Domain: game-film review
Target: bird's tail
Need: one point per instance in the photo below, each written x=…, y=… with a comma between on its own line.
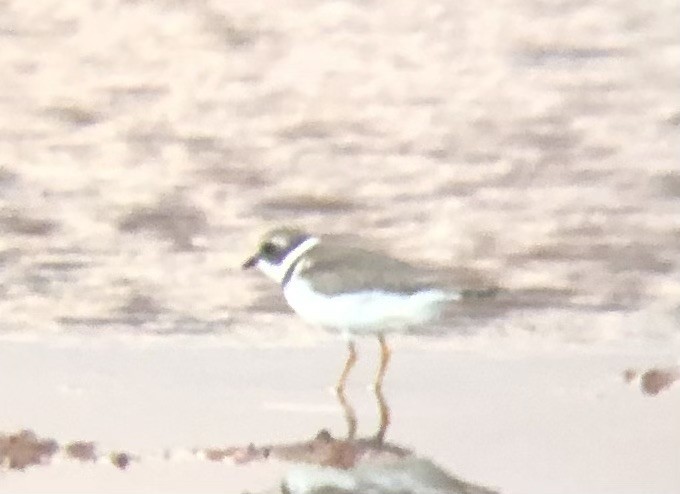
x=479, y=293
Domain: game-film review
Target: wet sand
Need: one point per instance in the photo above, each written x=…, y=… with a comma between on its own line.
x=144, y=146
x=550, y=420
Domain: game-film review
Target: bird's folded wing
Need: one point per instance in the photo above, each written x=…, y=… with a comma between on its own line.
x=351, y=269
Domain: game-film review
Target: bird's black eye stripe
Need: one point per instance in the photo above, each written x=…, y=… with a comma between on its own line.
x=268, y=248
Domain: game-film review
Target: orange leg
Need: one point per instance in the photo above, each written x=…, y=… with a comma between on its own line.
x=384, y=361
x=351, y=360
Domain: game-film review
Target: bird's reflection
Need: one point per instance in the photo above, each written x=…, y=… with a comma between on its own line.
x=351, y=416
x=353, y=465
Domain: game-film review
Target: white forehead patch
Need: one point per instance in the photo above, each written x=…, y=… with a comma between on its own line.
x=280, y=241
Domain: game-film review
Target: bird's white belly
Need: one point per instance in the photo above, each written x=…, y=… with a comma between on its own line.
x=364, y=312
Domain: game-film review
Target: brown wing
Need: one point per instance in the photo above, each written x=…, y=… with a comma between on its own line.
x=345, y=268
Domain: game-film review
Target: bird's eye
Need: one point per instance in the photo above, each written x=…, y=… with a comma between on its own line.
x=268, y=248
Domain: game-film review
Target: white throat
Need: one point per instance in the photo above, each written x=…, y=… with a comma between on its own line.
x=277, y=271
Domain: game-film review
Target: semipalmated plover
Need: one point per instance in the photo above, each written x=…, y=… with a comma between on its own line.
x=350, y=289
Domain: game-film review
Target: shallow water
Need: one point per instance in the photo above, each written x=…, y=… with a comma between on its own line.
x=144, y=147
x=560, y=421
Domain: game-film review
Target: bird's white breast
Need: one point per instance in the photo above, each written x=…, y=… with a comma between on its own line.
x=365, y=311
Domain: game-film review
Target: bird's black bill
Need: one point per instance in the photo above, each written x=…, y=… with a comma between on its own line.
x=250, y=262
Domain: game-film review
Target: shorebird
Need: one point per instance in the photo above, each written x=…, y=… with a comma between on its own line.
x=349, y=289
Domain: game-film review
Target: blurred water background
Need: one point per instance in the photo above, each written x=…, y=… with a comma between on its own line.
x=144, y=145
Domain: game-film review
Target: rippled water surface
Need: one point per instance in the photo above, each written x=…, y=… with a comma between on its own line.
x=146, y=145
